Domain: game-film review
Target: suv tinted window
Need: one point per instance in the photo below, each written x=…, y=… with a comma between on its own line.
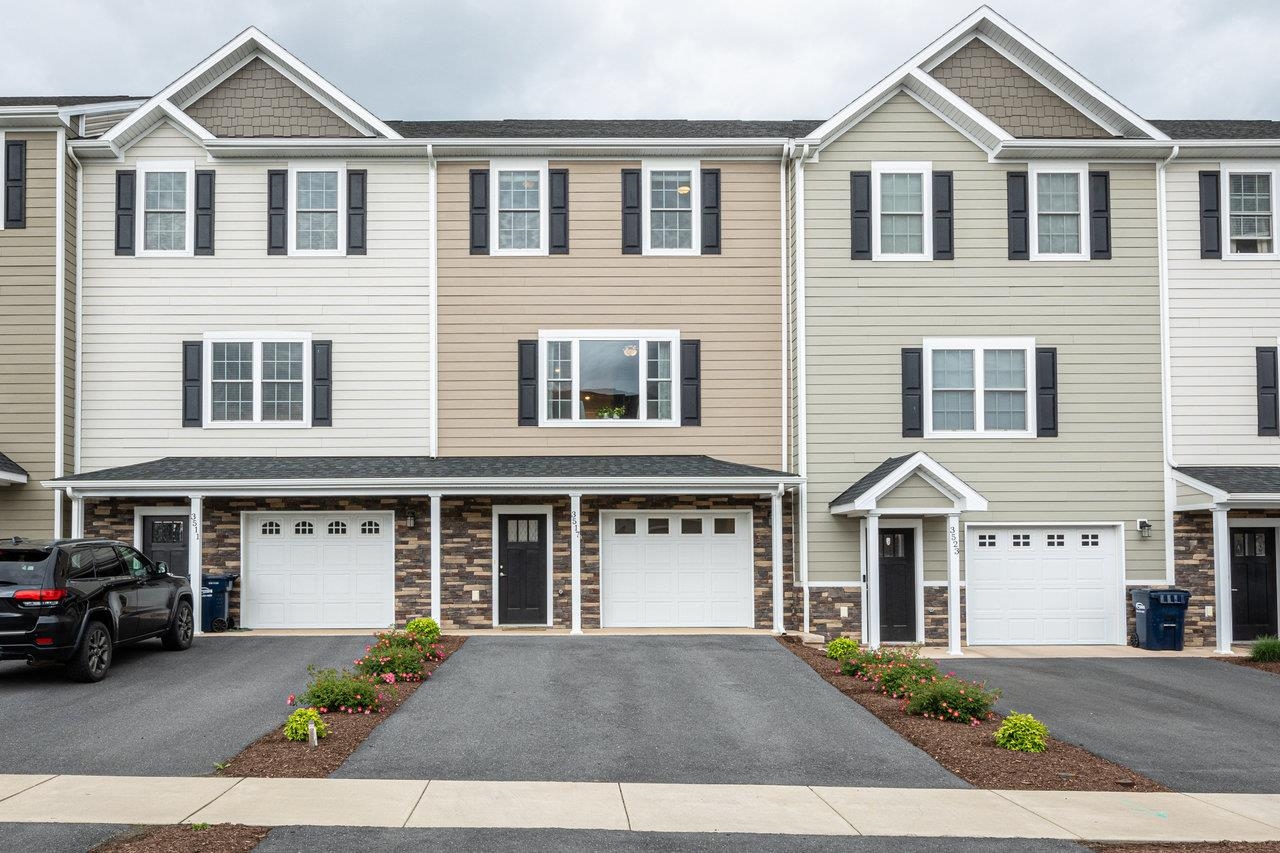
x=80, y=565
x=24, y=565
x=107, y=563
x=134, y=563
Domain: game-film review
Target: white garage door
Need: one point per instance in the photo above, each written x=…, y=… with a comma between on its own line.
x=1043, y=585
x=670, y=570
x=319, y=570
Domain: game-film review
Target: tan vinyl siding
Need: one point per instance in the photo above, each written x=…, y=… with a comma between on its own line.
x=1103, y=317
x=914, y=492
x=731, y=302
x=1188, y=495
x=97, y=125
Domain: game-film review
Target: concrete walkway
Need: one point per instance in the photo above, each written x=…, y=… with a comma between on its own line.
x=639, y=807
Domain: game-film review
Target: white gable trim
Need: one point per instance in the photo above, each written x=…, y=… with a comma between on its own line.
x=964, y=497
x=1214, y=494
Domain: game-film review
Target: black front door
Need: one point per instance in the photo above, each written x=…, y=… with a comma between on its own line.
x=164, y=540
x=522, y=569
x=1253, y=582
x=897, y=585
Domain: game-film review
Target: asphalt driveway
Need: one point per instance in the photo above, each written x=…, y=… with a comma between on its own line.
x=157, y=712
x=705, y=709
x=1193, y=724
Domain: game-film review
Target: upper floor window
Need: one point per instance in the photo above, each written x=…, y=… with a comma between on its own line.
x=1057, y=228
x=671, y=201
x=257, y=379
x=520, y=193
x=1250, y=213
x=979, y=387
x=165, y=226
x=317, y=196
x=611, y=378
x=901, y=198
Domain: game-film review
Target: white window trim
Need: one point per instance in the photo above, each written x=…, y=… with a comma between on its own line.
x=644, y=336
x=544, y=203
x=1028, y=345
x=1081, y=171
x=257, y=339
x=694, y=167
x=4, y=169
x=143, y=167
x=925, y=170
x=294, y=169
x=1226, y=170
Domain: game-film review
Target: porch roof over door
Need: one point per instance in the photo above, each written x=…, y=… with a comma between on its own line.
x=915, y=484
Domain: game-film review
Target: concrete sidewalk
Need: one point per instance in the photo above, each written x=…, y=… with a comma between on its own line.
x=767, y=809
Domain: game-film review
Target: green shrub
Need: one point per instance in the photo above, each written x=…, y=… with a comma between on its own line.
x=1265, y=650
x=841, y=648
x=1022, y=733
x=424, y=628
x=901, y=678
x=864, y=662
x=395, y=657
x=295, y=728
x=345, y=692
x=953, y=700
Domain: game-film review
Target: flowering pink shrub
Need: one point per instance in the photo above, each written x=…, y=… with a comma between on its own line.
x=953, y=700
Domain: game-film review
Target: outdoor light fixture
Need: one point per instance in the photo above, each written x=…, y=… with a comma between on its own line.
x=630, y=350
x=1144, y=528
x=683, y=189
x=412, y=521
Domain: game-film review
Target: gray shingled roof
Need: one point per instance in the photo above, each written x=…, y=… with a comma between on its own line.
x=425, y=467
x=604, y=128
x=874, y=476
x=1237, y=479
x=8, y=466
x=1219, y=128
x=64, y=100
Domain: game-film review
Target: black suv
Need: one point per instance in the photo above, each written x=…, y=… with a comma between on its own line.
x=73, y=600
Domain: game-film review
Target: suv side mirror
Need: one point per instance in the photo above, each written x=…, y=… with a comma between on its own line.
x=162, y=568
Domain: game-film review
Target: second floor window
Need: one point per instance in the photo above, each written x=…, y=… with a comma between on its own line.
x=1056, y=205
x=977, y=387
x=671, y=203
x=1250, y=208
x=610, y=378
x=316, y=211
x=257, y=380
x=520, y=200
x=901, y=199
x=165, y=223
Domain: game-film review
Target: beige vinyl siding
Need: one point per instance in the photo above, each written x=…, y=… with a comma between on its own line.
x=1189, y=495
x=1103, y=317
x=27, y=352
x=731, y=302
x=914, y=492
x=1219, y=312
x=97, y=125
x=138, y=310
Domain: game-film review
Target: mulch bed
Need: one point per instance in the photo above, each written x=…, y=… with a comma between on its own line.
x=1272, y=666
x=183, y=838
x=273, y=757
x=971, y=753
x=1196, y=847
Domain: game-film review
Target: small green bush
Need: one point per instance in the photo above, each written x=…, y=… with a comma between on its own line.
x=1022, y=733
x=953, y=700
x=295, y=728
x=344, y=692
x=864, y=662
x=395, y=657
x=1265, y=650
x=424, y=628
x=901, y=678
x=841, y=648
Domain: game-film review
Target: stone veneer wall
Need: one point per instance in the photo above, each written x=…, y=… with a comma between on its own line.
x=259, y=101
x=824, y=611
x=935, y=614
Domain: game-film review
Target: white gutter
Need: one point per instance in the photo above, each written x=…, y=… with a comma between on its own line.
x=424, y=485
x=1166, y=381
x=433, y=302
x=59, y=323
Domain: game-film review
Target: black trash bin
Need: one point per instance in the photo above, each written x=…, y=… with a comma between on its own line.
x=1159, y=615
x=215, y=602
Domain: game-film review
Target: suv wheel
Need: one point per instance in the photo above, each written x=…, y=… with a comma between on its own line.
x=92, y=660
x=181, y=628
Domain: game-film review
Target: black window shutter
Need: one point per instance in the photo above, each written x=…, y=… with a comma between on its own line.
x=1100, y=216
x=1047, y=392
x=357, y=211
x=192, y=388
x=912, y=392
x=631, y=216
x=15, y=184
x=126, y=207
x=558, y=212
x=527, y=378
x=277, y=212
x=1268, y=392
x=1211, y=215
x=479, y=184
x=710, y=211
x=690, y=383
x=322, y=383
x=860, y=215
x=1019, y=221
x=944, y=229
x=204, y=211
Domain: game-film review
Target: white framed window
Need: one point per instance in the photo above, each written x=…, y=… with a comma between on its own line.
x=979, y=387
x=166, y=207
x=520, y=195
x=901, y=205
x=672, y=207
x=4, y=169
x=1059, y=231
x=607, y=377
x=1248, y=200
x=257, y=379
x=317, y=206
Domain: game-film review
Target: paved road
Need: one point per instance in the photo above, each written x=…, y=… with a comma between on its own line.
x=157, y=712
x=710, y=709
x=1193, y=724
x=56, y=837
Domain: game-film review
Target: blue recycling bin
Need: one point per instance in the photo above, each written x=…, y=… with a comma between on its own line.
x=215, y=602
x=1160, y=615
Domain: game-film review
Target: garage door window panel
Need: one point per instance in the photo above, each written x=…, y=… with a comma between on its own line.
x=979, y=388
x=617, y=379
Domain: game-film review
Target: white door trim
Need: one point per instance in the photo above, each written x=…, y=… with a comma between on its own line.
x=522, y=509
x=917, y=526
x=141, y=512
x=1273, y=523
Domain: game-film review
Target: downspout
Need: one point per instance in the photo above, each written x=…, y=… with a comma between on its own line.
x=786, y=307
x=1166, y=382
x=433, y=326
x=78, y=411
x=801, y=385
x=59, y=325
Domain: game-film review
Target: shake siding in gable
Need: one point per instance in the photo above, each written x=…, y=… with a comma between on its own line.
x=1103, y=316
x=137, y=311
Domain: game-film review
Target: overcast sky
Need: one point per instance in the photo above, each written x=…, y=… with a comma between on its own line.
x=643, y=58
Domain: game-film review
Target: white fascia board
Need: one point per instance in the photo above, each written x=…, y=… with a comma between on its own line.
x=7, y=477
x=919, y=78
x=1215, y=494
x=938, y=476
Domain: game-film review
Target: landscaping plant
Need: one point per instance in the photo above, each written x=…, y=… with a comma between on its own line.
x=295, y=728
x=1265, y=650
x=1022, y=733
x=952, y=699
x=395, y=657
x=863, y=661
x=426, y=629
x=841, y=648
x=901, y=678
x=335, y=691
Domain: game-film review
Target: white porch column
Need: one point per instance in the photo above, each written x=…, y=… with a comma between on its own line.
x=872, y=584
x=194, y=566
x=77, y=516
x=435, y=557
x=575, y=560
x=1222, y=579
x=953, y=584
x=775, y=536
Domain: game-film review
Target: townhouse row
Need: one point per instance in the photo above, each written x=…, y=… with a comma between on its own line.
x=961, y=364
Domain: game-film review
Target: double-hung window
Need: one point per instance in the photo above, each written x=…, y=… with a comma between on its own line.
x=1249, y=202
x=609, y=378
x=257, y=379
x=1058, y=229
x=901, y=205
x=976, y=387
x=521, y=196
x=166, y=220
x=672, y=201
x=317, y=199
